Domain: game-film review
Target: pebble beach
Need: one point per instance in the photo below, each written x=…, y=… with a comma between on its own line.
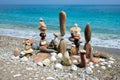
x=16, y=69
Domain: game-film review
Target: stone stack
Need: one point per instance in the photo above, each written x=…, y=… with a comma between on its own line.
x=43, y=44
x=87, y=45
x=62, y=45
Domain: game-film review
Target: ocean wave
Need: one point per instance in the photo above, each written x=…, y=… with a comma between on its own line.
x=95, y=41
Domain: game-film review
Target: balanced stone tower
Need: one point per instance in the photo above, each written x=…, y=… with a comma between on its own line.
x=87, y=45
x=62, y=45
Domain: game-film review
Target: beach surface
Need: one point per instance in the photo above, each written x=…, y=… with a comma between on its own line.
x=16, y=70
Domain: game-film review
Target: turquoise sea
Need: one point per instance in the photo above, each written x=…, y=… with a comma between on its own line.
x=23, y=21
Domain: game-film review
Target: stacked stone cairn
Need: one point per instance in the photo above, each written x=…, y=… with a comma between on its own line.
x=62, y=44
x=87, y=45
x=28, y=51
x=43, y=44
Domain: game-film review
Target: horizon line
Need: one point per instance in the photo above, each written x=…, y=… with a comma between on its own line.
x=59, y=4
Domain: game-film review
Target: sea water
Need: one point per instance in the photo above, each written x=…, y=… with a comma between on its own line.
x=23, y=21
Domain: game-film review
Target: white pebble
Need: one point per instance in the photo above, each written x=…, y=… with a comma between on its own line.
x=40, y=64
x=16, y=75
x=97, y=65
x=24, y=59
x=112, y=59
x=58, y=66
x=103, y=67
x=29, y=68
x=102, y=60
x=109, y=66
x=73, y=67
x=59, y=56
x=98, y=71
x=110, y=62
x=91, y=66
x=50, y=78
x=88, y=70
x=53, y=54
x=102, y=64
x=53, y=58
x=74, y=61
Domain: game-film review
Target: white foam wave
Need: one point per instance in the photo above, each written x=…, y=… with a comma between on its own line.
x=95, y=41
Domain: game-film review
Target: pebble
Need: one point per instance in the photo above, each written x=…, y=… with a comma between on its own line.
x=40, y=64
x=29, y=68
x=88, y=70
x=109, y=66
x=50, y=78
x=12, y=71
x=16, y=75
x=24, y=59
x=103, y=67
x=82, y=77
x=73, y=67
x=58, y=66
x=97, y=65
x=98, y=71
x=91, y=65
x=74, y=61
x=53, y=59
x=53, y=54
x=102, y=64
x=46, y=62
x=102, y=60
x=112, y=59
x=59, y=56
x=110, y=62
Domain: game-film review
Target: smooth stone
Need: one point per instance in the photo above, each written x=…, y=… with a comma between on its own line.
x=90, y=63
x=96, y=65
x=16, y=52
x=98, y=71
x=53, y=59
x=58, y=66
x=59, y=56
x=22, y=52
x=102, y=60
x=53, y=54
x=103, y=67
x=28, y=51
x=16, y=75
x=40, y=64
x=95, y=60
x=74, y=61
x=46, y=62
x=40, y=57
x=73, y=67
x=102, y=63
x=66, y=59
x=91, y=66
x=50, y=78
x=111, y=62
x=24, y=59
x=88, y=70
x=112, y=59
x=109, y=66
x=29, y=68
